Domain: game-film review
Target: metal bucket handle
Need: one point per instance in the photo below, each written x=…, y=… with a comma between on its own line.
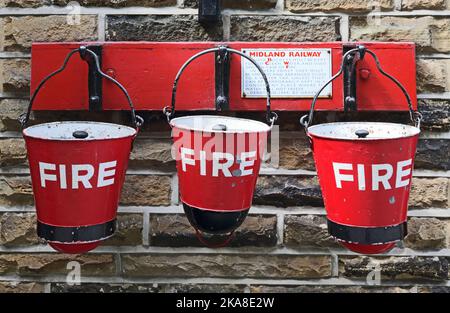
x=229, y=237
x=135, y=119
x=170, y=111
x=415, y=116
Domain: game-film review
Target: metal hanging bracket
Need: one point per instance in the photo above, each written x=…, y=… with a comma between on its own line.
x=209, y=11
x=222, y=78
x=85, y=54
x=94, y=77
x=361, y=51
x=169, y=111
x=349, y=72
x=148, y=69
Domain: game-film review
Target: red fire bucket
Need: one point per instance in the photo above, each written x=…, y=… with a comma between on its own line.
x=218, y=161
x=365, y=172
x=77, y=172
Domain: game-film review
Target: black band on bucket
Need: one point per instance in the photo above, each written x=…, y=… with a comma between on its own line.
x=367, y=235
x=76, y=234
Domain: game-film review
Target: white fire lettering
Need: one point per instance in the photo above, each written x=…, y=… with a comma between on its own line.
x=107, y=169
x=45, y=176
x=401, y=173
x=247, y=162
x=337, y=167
x=381, y=175
x=223, y=166
x=81, y=174
x=378, y=178
x=221, y=162
x=184, y=159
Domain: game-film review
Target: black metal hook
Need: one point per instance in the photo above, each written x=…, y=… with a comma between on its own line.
x=222, y=73
x=94, y=77
x=362, y=51
x=349, y=80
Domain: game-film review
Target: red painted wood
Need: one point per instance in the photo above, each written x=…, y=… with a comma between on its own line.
x=147, y=70
x=66, y=91
x=380, y=93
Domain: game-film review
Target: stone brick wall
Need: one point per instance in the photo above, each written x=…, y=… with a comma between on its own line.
x=283, y=245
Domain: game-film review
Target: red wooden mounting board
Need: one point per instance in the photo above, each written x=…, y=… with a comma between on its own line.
x=148, y=69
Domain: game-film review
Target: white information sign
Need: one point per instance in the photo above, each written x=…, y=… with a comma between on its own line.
x=292, y=73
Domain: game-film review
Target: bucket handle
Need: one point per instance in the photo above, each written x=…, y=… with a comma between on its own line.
x=415, y=116
x=136, y=120
x=271, y=116
x=205, y=241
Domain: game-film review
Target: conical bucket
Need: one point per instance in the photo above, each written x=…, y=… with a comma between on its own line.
x=218, y=160
x=365, y=172
x=77, y=171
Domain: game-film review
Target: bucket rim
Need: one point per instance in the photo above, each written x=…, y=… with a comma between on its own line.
x=414, y=131
x=132, y=130
x=263, y=125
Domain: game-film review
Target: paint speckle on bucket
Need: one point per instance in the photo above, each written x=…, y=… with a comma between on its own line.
x=236, y=173
x=392, y=200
